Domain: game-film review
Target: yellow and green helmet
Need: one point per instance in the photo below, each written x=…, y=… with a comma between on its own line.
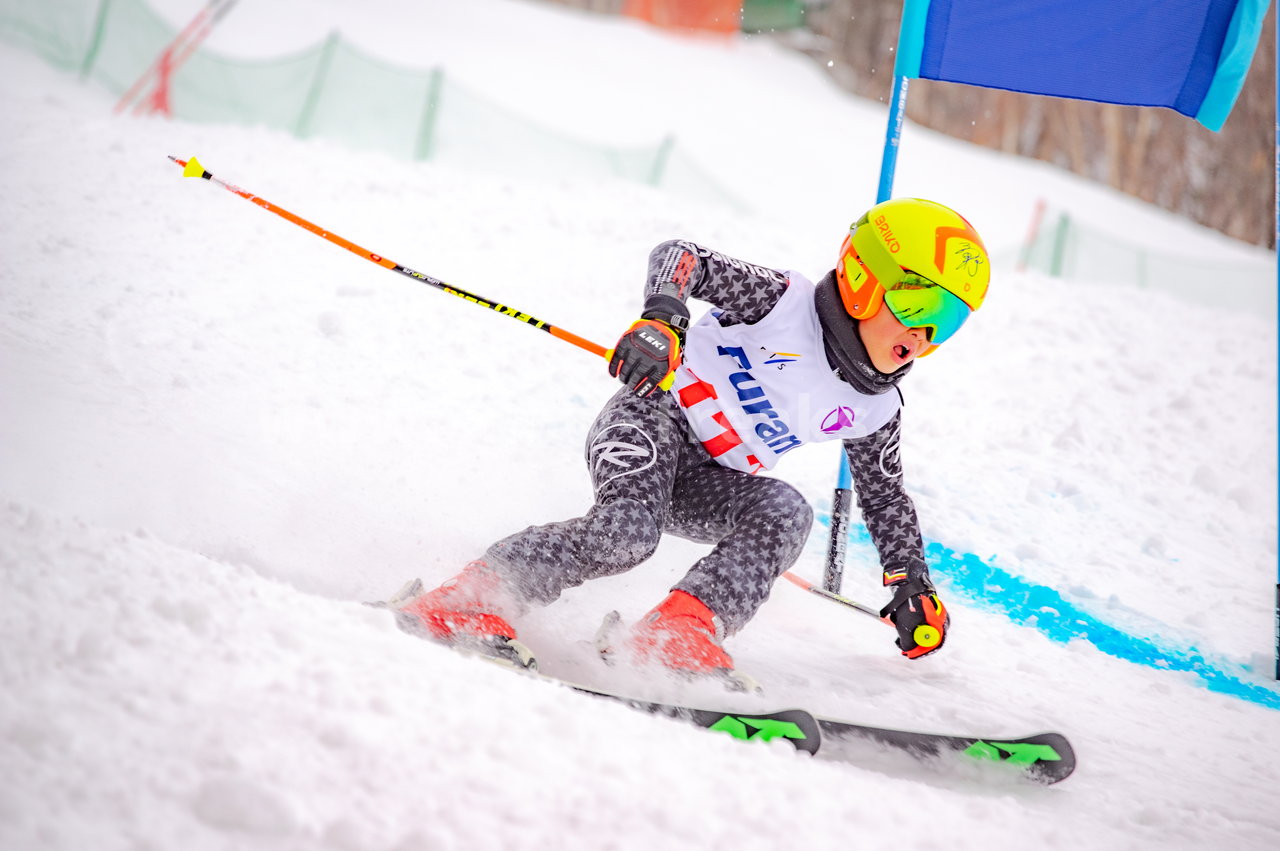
x=922, y=259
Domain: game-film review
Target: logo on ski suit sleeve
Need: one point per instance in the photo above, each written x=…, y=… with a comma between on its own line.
x=890, y=458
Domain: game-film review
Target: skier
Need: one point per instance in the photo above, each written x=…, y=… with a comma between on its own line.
x=777, y=363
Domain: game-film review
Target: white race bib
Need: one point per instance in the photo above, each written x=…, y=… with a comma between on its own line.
x=754, y=392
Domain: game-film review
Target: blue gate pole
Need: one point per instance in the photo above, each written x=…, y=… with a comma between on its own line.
x=842, y=499
x=892, y=136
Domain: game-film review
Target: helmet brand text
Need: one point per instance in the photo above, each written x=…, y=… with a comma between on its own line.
x=886, y=233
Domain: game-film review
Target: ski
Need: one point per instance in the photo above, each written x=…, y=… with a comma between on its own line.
x=1042, y=758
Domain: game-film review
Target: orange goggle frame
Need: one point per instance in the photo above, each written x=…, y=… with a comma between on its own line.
x=870, y=276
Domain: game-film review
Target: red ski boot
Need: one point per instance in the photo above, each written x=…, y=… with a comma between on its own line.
x=681, y=634
x=467, y=611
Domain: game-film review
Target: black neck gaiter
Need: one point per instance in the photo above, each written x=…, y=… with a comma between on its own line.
x=845, y=351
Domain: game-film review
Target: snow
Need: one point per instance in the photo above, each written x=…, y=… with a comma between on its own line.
x=220, y=433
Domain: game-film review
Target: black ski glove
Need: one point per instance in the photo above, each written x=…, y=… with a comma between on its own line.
x=647, y=355
x=919, y=616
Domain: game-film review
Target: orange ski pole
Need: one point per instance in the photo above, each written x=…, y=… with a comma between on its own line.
x=193, y=168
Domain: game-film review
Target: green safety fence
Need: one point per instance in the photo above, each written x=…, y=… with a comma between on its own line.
x=61, y=32
x=336, y=91
x=1063, y=247
x=773, y=15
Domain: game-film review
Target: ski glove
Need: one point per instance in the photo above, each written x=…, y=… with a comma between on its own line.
x=919, y=616
x=646, y=356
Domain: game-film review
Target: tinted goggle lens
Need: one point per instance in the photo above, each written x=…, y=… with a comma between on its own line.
x=918, y=302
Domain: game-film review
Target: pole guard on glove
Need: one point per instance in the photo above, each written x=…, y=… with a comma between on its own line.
x=646, y=356
x=919, y=616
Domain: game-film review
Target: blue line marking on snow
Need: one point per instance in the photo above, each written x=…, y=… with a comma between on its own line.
x=1044, y=609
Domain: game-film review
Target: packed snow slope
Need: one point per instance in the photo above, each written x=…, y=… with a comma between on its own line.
x=220, y=433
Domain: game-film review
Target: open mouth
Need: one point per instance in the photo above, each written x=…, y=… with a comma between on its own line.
x=901, y=352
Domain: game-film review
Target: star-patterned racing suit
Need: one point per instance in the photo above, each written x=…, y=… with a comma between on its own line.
x=776, y=364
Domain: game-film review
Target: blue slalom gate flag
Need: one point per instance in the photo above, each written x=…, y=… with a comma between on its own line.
x=1188, y=55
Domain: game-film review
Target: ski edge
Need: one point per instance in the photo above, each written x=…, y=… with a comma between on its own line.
x=799, y=727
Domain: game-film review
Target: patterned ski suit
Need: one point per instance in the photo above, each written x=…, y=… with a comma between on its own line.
x=757, y=381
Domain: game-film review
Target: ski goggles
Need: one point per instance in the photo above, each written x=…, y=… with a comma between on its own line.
x=918, y=302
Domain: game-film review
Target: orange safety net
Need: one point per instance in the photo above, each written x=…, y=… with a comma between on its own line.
x=722, y=16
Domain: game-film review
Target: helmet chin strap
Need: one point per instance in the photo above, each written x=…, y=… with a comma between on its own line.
x=845, y=350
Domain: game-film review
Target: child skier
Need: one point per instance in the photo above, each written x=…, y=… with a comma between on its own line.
x=778, y=363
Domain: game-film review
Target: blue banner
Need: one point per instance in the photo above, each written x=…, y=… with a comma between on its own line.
x=1188, y=55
